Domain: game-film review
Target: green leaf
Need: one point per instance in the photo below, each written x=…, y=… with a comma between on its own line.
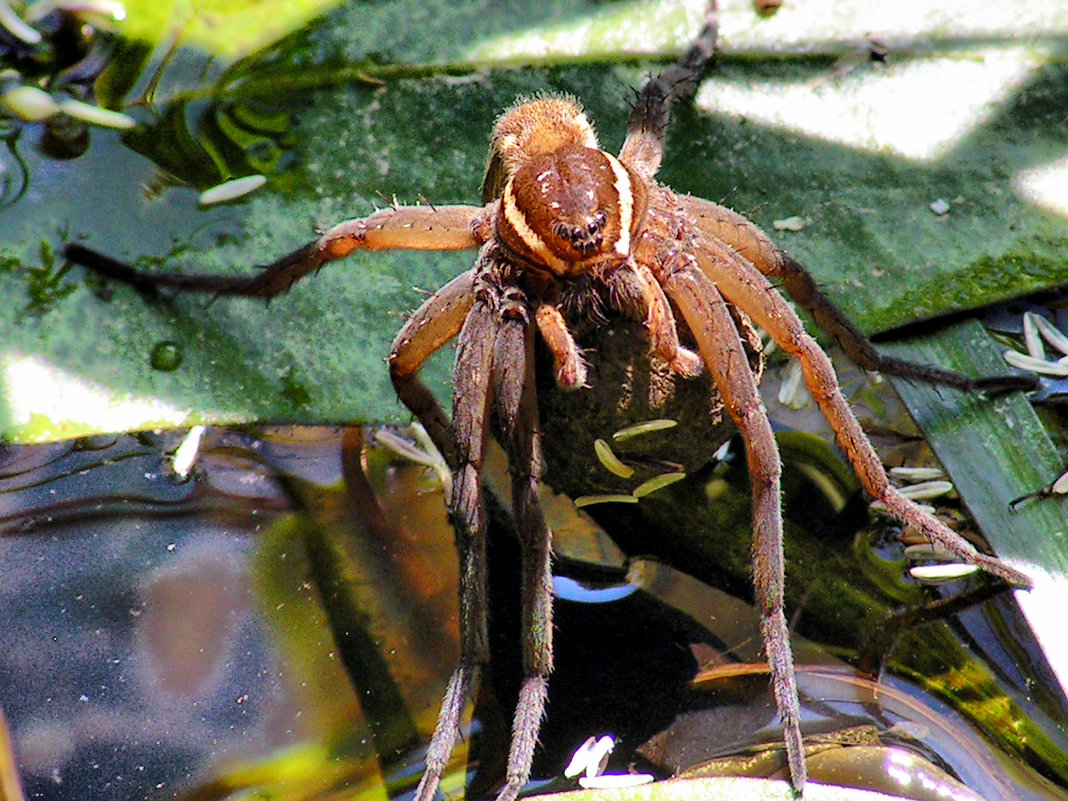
x=995, y=452
x=795, y=122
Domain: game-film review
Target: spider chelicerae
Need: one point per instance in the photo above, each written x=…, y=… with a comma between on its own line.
x=570, y=238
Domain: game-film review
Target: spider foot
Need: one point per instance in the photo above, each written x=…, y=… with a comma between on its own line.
x=994, y=386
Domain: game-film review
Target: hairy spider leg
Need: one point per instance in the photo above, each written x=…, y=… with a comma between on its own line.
x=517, y=412
x=742, y=284
x=664, y=336
x=643, y=149
x=471, y=410
x=719, y=344
x=437, y=321
x=403, y=227
x=748, y=241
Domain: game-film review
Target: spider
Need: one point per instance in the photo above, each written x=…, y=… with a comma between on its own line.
x=570, y=236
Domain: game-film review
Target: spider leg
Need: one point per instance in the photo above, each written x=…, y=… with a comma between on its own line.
x=517, y=412
x=710, y=321
x=752, y=244
x=744, y=285
x=433, y=324
x=407, y=227
x=471, y=410
x=643, y=148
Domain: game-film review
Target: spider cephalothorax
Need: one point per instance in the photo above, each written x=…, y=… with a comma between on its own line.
x=571, y=236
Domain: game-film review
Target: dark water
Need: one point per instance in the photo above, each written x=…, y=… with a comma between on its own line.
x=284, y=619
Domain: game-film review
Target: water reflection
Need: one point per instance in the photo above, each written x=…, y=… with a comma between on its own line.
x=284, y=621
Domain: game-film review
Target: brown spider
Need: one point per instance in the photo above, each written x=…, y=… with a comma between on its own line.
x=570, y=235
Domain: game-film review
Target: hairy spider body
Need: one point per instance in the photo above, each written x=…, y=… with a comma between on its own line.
x=570, y=236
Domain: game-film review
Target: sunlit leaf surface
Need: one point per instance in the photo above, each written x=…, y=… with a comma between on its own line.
x=395, y=100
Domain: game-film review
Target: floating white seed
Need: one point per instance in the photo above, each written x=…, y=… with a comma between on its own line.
x=94, y=115
x=638, y=429
x=402, y=446
x=590, y=500
x=1035, y=348
x=940, y=206
x=722, y=452
x=793, y=394
x=186, y=454
x=597, y=759
x=939, y=573
x=1053, y=335
x=929, y=551
x=1041, y=366
x=231, y=190
x=913, y=474
x=15, y=25
x=579, y=759
x=790, y=224
x=610, y=460
x=927, y=489
x=614, y=781
x=657, y=483
x=1060, y=486
x=881, y=508
x=29, y=103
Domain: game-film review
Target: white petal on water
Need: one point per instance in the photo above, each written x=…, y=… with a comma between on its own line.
x=186, y=454
x=580, y=759
x=1025, y=362
x=231, y=190
x=95, y=115
x=29, y=103
x=914, y=474
x=16, y=26
x=590, y=500
x=927, y=489
x=657, y=483
x=1053, y=335
x=646, y=427
x=610, y=461
x=943, y=572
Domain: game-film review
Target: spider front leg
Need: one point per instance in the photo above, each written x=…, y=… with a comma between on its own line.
x=743, y=285
x=471, y=417
x=719, y=344
x=437, y=321
x=517, y=415
x=403, y=227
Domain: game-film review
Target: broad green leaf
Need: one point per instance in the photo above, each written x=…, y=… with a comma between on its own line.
x=795, y=122
x=995, y=452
